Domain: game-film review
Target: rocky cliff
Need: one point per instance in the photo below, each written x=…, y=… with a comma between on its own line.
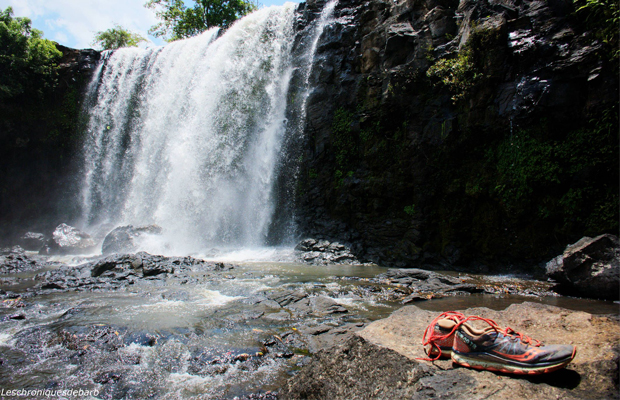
x=468, y=134
x=459, y=132
x=39, y=137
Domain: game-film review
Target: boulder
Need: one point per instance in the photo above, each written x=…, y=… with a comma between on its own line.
x=306, y=245
x=588, y=268
x=322, y=252
x=125, y=239
x=32, y=241
x=67, y=239
x=14, y=260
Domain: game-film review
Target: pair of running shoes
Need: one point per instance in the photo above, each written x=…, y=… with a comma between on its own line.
x=453, y=335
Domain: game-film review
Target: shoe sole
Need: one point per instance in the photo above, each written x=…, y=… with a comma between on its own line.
x=478, y=364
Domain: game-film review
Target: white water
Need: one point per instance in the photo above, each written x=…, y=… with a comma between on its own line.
x=187, y=136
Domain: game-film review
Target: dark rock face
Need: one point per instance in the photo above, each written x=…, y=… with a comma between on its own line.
x=123, y=239
x=39, y=149
x=588, y=268
x=483, y=167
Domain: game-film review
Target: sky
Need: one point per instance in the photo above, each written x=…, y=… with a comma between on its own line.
x=74, y=23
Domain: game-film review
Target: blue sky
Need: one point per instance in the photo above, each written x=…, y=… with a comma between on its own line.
x=74, y=23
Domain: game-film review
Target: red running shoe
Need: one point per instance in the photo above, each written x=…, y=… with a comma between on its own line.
x=439, y=335
x=504, y=350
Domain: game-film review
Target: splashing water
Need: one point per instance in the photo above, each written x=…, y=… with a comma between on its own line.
x=187, y=136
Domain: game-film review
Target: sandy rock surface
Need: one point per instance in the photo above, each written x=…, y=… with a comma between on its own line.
x=380, y=362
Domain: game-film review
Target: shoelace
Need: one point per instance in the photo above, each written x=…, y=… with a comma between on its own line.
x=523, y=338
x=460, y=319
x=433, y=337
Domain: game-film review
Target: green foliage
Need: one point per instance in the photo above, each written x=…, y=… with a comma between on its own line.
x=342, y=137
x=524, y=163
x=602, y=16
x=573, y=180
x=458, y=74
x=28, y=63
x=410, y=210
x=117, y=37
x=179, y=22
x=477, y=62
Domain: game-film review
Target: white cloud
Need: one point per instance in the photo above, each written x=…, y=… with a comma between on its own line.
x=74, y=23
x=60, y=37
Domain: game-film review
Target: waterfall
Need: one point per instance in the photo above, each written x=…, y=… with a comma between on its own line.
x=188, y=136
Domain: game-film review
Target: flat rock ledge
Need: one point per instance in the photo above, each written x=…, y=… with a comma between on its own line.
x=379, y=362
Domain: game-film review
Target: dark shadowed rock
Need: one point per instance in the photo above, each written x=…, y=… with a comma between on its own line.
x=16, y=261
x=588, y=268
x=32, y=241
x=322, y=252
x=356, y=370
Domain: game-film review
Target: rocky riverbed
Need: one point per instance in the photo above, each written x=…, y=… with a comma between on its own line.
x=142, y=325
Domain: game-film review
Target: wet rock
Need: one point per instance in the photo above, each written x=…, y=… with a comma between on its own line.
x=116, y=271
x=259, y=396
x=279, y=316
x=317, y=305
x=287, y=297
x=15, y=250
x=317, y=330
x=126, y=239
x=424, y=285
x=245, y=316
x=380, y=361
x=306, y=245
x=67, y=239
x=108, y=377
x=588, y=268
x=152, y=269
x=142, y=338
x=322, y=252
x=32, y=241
x=16, y=261
x=52, y=285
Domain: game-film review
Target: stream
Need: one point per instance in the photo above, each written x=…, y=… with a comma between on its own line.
x=241, y=329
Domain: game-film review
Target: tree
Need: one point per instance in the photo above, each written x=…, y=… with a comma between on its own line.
x=28, y=63
x=180, y=22
x=117, y=37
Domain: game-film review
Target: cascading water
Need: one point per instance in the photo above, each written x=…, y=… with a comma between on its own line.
x=187, y=136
